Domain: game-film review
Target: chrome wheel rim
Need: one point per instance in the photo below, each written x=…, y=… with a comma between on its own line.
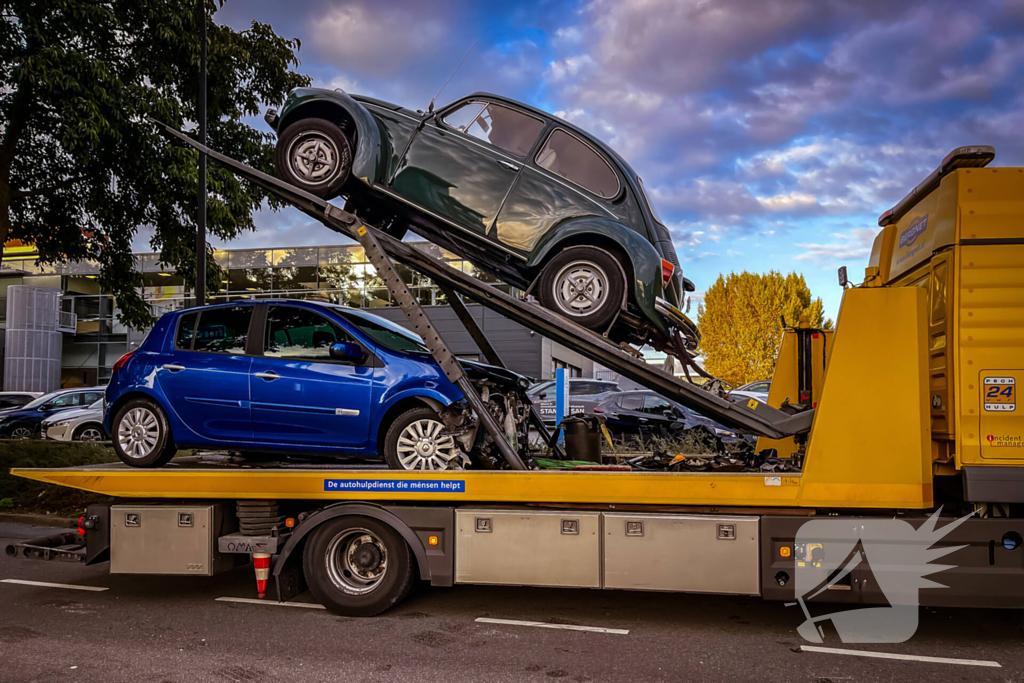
x=138, y=432
x=21, y=433
x=90, y=434
x=314, y=158
x=581, y=288
x=357, y=561
x=421, y=446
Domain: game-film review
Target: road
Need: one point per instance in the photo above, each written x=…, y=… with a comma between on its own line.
x=162, y=629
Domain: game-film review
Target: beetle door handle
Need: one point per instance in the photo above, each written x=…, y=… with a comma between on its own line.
x=173, y=367
x=270, y=375
x=508, y=164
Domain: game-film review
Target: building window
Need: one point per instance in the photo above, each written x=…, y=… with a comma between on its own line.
x=570, y=370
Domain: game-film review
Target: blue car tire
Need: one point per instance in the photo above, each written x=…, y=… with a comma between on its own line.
x=141, y=434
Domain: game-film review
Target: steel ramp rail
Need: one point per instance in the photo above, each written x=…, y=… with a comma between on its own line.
x=748, y=416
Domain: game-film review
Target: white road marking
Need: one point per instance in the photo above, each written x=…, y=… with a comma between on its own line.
x=257, y=601
x=909, y=658
x=541, y=624
x=44, y=584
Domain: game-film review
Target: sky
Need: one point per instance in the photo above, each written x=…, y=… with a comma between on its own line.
x=770, y=134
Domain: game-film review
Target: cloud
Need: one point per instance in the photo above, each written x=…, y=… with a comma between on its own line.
x=377, y=39
x=854, y=245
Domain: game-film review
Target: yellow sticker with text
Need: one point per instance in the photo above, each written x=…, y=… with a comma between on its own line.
x=752, y=404
x=361, y=230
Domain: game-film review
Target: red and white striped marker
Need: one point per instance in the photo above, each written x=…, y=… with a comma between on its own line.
x=261, y=561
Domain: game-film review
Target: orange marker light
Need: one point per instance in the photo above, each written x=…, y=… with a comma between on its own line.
x=289, y=522
x=784, y=551
x=432, y=540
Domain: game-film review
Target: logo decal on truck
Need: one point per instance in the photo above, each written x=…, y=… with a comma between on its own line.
x=913, y=231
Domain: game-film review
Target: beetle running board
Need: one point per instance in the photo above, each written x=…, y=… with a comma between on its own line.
x=747, y=416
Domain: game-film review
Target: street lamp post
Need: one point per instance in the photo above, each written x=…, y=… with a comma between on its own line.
x=200, y=290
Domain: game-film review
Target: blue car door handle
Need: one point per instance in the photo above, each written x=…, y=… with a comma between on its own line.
x=269, y=376
x=173, y=367
x=507, y=164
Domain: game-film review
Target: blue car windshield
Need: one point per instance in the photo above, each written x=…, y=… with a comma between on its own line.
x=385, y=332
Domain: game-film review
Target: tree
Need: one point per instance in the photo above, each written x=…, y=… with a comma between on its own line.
x=81, y=170
x=740, y=322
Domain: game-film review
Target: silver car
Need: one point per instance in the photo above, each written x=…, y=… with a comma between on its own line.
x=77, y=424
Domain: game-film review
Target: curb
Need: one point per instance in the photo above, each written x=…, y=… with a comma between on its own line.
x=39, y=520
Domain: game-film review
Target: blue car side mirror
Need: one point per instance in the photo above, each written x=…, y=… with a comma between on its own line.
x=347, y=351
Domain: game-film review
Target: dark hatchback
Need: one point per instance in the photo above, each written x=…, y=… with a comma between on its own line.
x=532, y=199
x=644, y=415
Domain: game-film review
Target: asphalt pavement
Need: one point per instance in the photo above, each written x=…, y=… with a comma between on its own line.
x=162, y=629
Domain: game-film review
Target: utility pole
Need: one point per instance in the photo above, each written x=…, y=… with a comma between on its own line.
x=200, y=290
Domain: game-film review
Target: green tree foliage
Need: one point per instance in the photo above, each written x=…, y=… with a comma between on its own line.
x=81, y=170
x=741, y=322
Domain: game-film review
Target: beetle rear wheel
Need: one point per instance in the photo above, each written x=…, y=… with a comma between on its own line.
x=584, y=284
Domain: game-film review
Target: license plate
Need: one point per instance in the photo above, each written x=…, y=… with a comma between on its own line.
x=1000, y=394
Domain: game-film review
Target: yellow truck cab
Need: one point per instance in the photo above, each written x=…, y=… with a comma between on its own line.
x=959, y=236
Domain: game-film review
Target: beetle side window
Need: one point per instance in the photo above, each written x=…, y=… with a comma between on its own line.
x=186, y=331
x=463, y=116
x=223, y=330
x=568, y=157
x=505, y=128
x=301, y=334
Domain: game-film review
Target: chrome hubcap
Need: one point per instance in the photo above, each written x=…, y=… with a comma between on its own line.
x=314, y=157
x=138, y=432
x=91, y=434
x=580, y=288
x=356, y=561
x=422, y=447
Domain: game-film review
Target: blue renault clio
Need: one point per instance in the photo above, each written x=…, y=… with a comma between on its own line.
x=289, y=376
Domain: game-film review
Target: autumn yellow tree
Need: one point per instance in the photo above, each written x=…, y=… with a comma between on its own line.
x=741, y=322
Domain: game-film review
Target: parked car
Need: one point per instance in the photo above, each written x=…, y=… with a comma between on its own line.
x=23, y=423
x=644, y=415
x=584, y=395
x=12, y=400
x=76, y=424
x=757, y=390
x=298, y=377
x=525, y=195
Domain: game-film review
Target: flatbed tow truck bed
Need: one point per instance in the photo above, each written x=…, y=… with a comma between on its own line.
x=358, y=536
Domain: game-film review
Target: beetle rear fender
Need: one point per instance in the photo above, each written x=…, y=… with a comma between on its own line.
x=368, y=144
x=638, y=257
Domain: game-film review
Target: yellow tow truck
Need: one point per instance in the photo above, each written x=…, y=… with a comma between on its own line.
x=910, y=406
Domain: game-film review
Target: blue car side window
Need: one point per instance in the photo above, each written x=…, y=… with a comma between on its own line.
x=223, y=330
x=301, y=334
x=186, y=331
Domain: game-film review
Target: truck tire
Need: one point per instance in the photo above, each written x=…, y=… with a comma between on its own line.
x=357, y=566
x=583, y=284
x=314, y=155
x=141, y=434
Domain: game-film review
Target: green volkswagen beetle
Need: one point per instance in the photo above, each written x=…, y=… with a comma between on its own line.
x=522, y=194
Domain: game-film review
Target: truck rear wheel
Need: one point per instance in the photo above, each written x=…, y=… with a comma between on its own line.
x=357, y=566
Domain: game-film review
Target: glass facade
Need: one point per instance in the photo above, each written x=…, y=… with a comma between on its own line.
x=338, y=274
